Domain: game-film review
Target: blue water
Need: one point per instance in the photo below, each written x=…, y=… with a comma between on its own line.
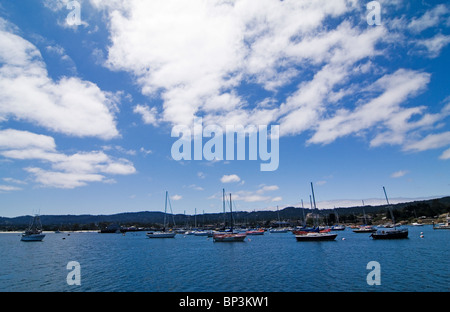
x=269, y=263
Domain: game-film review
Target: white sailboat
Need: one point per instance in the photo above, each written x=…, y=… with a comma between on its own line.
x=442, y=226
x=229, y=236
x=34, y=232
x=163, y=233
x=279, y=229
x=313, y=236
x=337, y=226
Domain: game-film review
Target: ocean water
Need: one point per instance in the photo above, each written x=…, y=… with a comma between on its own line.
x=268, y=263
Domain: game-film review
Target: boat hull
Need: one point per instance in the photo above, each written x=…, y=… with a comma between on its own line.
x=395, y=234
x=161, y=235
x=315, y=237
x=229, y=237
x=365, y=230
x=279, y=231
x=255, y=232
x=442, y=227
x=32, y=237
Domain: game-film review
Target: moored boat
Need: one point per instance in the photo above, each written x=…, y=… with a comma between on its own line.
x=365, y=229
x=442, y=226
x=34, y=231
x=160, y=234
x=316, y=234
x=208, y=233
x=229, y=236
x=255, y=232
x=338, y=227
x=279, y=230
x=163, y=233
x=390, y=233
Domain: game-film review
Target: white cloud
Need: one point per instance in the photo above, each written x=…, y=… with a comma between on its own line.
x=257, y=196
x=12, y=180
x=71, y=105
x=195, y=187
x=176, y=197
x=395, y=88
x=267, y=188
x=66, y=171
x=399, y=174
x=67, y=180
x=197, y=56
x=230, y=178
x=8, y=188
x=148, y=114
x=145, y=151
x=435, y=44
x=431, y=141
x=445, y=155
x=429, y=19
x=16, y=139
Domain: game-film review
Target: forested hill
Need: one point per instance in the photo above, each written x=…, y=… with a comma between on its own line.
x=402, y=211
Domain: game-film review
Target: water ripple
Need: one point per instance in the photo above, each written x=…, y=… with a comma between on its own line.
x=272, y=262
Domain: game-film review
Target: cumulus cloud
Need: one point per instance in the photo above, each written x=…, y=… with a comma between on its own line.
x=176, y=197
x=148, y=114
x=230, y=178
x=71, y=106
x=198, y=56
x=66, y=171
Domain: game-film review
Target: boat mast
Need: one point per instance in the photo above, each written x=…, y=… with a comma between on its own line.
x=231, y=215
x=279, y=220
x=224, y=212
x=389, y=206
x=314, y=200
x=303, y=211
x=165, y=212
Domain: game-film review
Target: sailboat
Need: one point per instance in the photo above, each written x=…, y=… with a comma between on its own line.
x=364, y=228
x=279, y=229
x=337, y=226
x=390, y=233
x=34, y=232
x=442, y=226
x=229, y=236
x=317, y=235
x=163, y=233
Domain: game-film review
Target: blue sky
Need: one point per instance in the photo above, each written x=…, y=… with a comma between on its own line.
x=87, y=107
